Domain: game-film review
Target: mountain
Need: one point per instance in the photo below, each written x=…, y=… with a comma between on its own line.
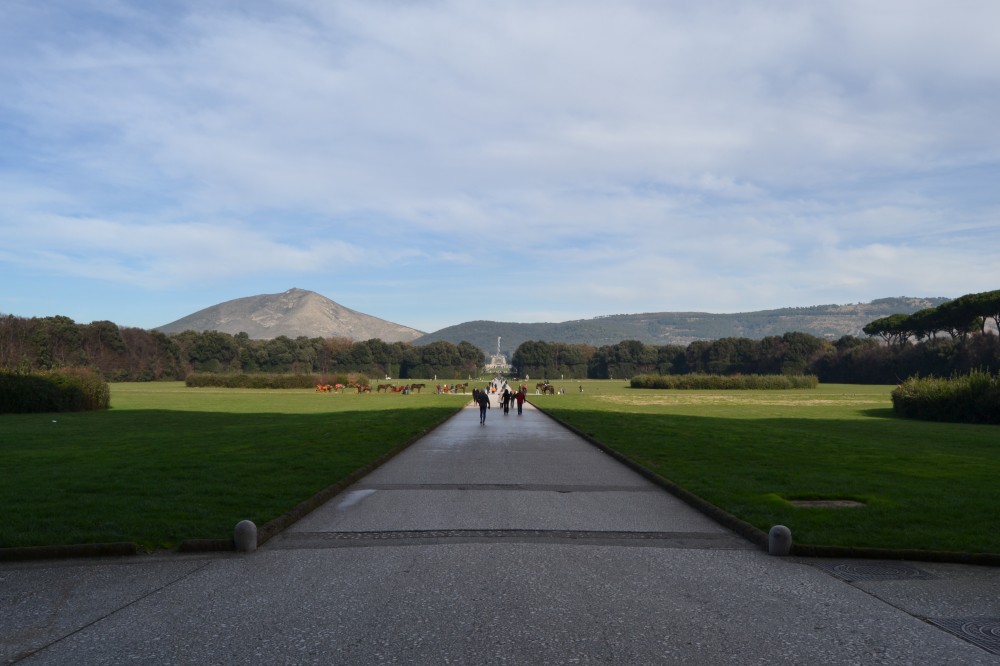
x=682, y=328
x=299, y=312
x=293, y=313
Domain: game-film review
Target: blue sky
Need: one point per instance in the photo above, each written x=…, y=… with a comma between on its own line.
x=435, y=162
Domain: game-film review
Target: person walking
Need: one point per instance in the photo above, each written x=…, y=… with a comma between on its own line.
x=505, y=400
x=519, y=397
x=484, y=403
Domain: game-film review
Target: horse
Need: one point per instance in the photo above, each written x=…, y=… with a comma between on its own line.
x=460, y=387
x=323, y=388
x=338, y=387
x=548, y=388
x=417, y=387
x=398, y=389
x=383, y=387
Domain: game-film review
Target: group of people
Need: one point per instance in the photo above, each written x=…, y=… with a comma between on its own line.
x=508, y=398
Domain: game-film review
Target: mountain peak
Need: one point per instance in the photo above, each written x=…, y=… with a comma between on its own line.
x=292, y=313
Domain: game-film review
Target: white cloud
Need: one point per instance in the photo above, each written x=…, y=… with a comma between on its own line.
x=637, y=154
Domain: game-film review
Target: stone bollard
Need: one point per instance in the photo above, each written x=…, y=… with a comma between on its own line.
x=779, y=540
x=245, y=536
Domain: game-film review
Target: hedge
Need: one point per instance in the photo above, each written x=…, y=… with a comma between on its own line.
x=724, y=382
x=971, y=398
x=67, y=390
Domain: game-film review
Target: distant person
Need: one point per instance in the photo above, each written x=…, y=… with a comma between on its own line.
x=484, y=403
x=520, y=397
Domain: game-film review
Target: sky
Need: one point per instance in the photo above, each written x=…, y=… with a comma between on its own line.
x=432, y=162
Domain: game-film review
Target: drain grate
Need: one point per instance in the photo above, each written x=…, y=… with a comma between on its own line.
x=981, y=631
x=862, y=571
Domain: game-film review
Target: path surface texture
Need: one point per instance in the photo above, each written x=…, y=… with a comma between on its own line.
x=513, y=542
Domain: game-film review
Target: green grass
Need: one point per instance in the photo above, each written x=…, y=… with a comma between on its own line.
x=168, y=463
x=926, y=486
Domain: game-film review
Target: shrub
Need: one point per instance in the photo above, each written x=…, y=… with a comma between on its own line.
x=723, y=382
x=971, y=398
x=67, y=390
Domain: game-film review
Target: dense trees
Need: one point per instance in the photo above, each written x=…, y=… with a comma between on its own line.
x=952, y=338
x=788, y=354
x=958, y=318
x=847, y=360
x=132, y=354
x=536, y=358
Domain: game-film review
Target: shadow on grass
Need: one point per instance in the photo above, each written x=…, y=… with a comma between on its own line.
x=925, y=486
x=158, y=477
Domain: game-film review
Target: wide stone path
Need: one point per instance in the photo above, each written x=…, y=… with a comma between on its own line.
x=515, y=542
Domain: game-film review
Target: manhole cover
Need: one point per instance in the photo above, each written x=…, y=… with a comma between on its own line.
x=981, y=631
x=860, y=571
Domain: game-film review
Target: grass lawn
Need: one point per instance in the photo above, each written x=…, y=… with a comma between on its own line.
x=168, y=463
x=926, y=486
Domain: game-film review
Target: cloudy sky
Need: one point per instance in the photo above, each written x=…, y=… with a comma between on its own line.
x=432, y=162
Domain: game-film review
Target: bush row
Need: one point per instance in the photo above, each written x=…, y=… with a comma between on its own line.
x=971, y=398
x=68, y=390
x=268, y=381
x=725, y=382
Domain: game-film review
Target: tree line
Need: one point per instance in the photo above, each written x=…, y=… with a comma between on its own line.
x=791, y=353
x=952, y=338
x=958, y=319
x=135, y=354
x=848, y=360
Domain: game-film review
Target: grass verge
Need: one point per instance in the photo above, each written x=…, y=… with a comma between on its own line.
x=925, y=486
x=168, y=463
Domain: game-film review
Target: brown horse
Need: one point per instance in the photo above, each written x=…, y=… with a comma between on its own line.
x=383, y=387
x=398, y=389
x=417, y=387
x=548, y=388
x=460, y=387
x=323, y=388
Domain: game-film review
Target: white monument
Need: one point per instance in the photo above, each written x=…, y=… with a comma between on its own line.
x=498, y=362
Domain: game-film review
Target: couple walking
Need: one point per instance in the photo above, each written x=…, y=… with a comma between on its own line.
x=508, y=398
x=482, y=398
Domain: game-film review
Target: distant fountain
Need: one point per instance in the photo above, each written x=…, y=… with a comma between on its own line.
x=498, y=362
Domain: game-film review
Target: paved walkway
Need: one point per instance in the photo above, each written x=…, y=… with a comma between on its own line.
x=515, y=542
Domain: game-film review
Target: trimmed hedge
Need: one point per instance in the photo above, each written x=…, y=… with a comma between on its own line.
x=266, y=381
x=971, y=398
x=67, y=390
x=723, y=382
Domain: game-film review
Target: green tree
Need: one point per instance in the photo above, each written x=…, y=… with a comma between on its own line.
x=894, y=329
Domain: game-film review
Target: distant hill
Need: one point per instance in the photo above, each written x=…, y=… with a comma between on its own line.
x=682, y=328
x=293, y=313
x=298, y=312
